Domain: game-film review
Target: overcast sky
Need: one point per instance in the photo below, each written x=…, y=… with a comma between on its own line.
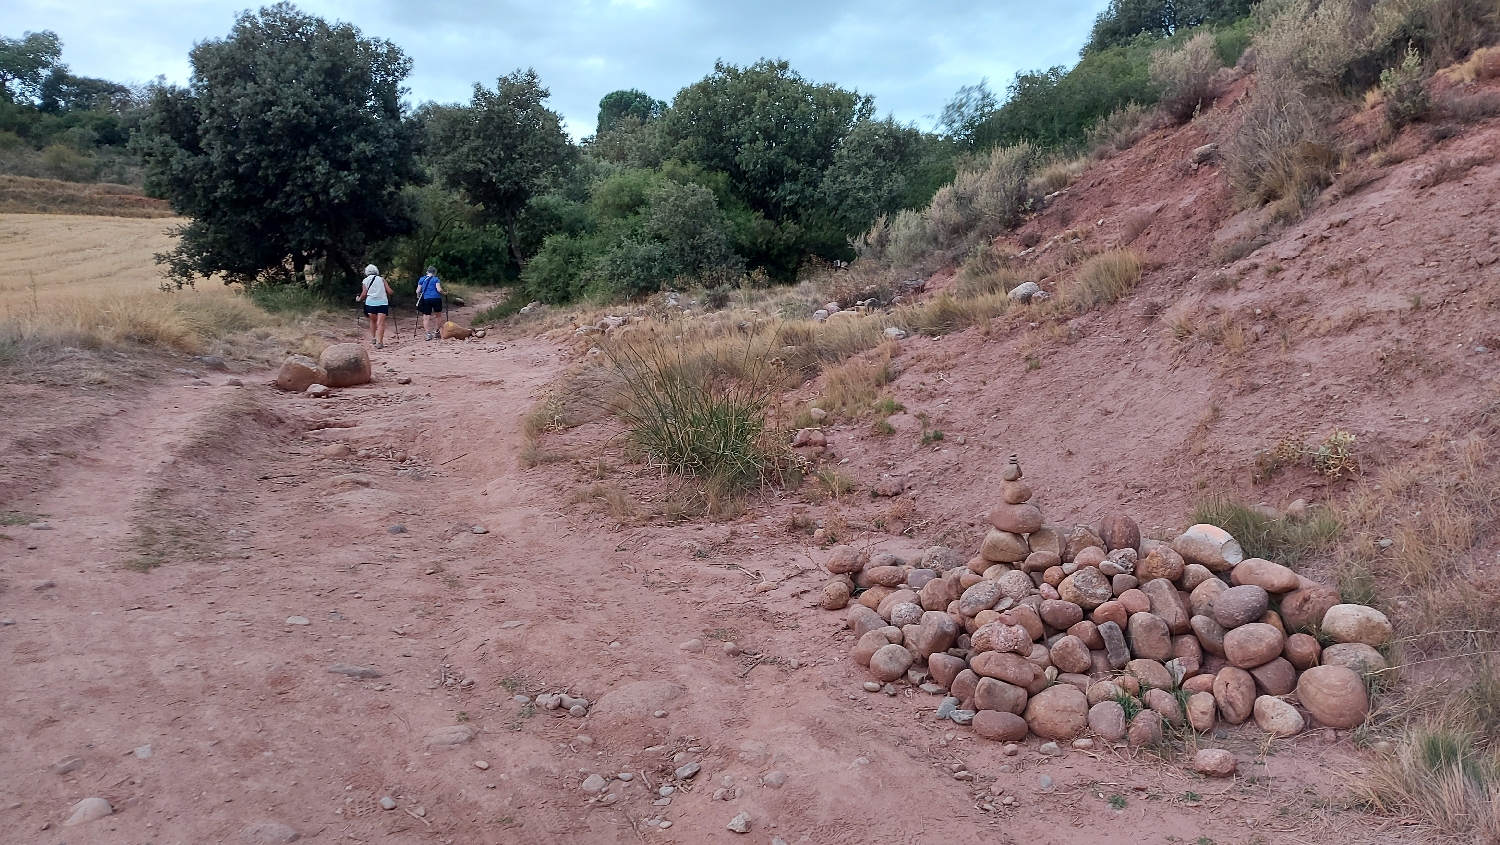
x=911, y=56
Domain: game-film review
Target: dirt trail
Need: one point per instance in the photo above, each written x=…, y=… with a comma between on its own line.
x=196, y=658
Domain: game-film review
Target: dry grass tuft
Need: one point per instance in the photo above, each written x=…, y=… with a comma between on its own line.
x=850, y=389
x=1103, y=279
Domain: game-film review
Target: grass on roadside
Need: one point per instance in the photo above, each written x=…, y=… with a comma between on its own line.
x=1286, y=540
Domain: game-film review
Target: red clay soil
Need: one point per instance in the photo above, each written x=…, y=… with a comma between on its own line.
x=1370, y=314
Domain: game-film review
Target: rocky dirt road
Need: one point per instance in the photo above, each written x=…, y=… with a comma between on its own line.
x=222, y=632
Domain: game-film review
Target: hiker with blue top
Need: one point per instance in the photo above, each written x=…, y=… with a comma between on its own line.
x=429, y=300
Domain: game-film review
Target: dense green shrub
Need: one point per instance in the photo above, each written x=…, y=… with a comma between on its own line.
x=1406, y=98
x=1185, y=77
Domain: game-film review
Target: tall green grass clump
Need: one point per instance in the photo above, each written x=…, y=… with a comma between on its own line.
x=705, y=416
x=1286, y=540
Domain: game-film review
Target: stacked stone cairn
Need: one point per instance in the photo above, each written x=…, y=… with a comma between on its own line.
x=1059, y=631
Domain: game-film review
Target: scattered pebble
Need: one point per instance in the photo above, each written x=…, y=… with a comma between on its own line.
x=664, y=824
x=625, y=776
x=1083, y=744
x=361, y=672
x=731, y=650
x=774, y=779
x=297, y=620
x=666, y=791
x=481, y=765
x=594, y=784
x=514, y=623
x=660, y=714
x=1011, y=749
x=66, y=765
x=88, y=810
x=388, y=803
x=403, y=379
x=694, y=646
x=871, y=686
x=740, y=823
x=45, y=585
x=480, y=529
x=7, y=621
x=687, y=771
x=1045, y=781
x=1050, y=749
x=521, y=699
x=40, y=526
x=397, y=529
x=142, y=752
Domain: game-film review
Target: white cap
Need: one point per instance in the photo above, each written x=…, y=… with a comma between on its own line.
x=371, y=270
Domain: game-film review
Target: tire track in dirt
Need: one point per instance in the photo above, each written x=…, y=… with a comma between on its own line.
x=247, y=724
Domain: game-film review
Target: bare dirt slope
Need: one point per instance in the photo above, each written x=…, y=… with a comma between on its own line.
x=228, y=491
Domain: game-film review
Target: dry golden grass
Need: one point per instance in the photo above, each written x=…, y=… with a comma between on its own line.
x=851, y=388
x=25, y=195
x=54, y=255
x=1103, y=279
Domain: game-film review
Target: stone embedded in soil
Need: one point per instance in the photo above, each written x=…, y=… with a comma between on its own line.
x=298, y=620
x=87, y=810
x=999, y=726
x=1235, y=692
x=836, y=595
x=740, y=823
x=595, y=784
x=1165, y=703
x=1356, y=623
x=695, y=646
x=1335, y=695
x=688, y=770
x=361, y=672
x=1270, y=576
x=67, y=765
x=1107, y=719
x=389, y=803
x=1202, y=712
x=300, y=372
x=1277, y=718
x=1058, y=712
x=1214, y=763
x=774, y=779
x=1145, y=729
x=1303, y=608
x=269, y=833
x=890, y=663
x=450, y=736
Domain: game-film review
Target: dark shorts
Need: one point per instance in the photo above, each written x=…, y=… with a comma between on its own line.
x=430, y=305
x=377, y=309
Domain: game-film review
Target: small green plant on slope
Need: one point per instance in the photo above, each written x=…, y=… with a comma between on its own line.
x=1406, y=98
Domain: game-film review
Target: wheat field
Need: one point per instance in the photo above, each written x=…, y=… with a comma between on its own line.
x=47, y=257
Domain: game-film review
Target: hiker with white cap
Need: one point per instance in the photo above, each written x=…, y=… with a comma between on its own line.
x=429, y=300
x=375, y=293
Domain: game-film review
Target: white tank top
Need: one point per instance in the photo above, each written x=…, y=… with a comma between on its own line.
x=375, y=291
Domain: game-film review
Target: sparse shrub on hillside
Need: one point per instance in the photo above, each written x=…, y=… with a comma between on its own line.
x=1104, y=279
x=1285, y=539
x=1278, y=151
x=1119, y=130
x=984, y=200
x=1442, y=770
x=1059, y=174
x=908, y=238
x=1186, y=77
x=1406, y=98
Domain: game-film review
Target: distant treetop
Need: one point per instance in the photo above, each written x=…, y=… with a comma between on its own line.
x=1119, y=24
x=617, y=105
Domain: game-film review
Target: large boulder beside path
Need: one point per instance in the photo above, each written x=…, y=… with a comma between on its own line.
x=347, y=364
x=299, y=373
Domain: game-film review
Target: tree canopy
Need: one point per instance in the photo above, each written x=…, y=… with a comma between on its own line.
x=1119, y=24
x=287, y=147
x=501, y=149
x=24, y=63
x=617, y=105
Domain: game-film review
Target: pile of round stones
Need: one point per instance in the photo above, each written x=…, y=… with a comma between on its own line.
x=1059, y=631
